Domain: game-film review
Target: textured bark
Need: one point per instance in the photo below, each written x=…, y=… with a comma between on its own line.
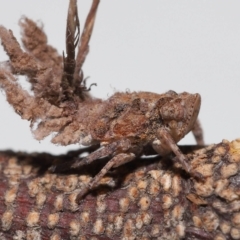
x=145, y=199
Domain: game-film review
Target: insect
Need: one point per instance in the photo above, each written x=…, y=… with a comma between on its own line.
x=61, y=103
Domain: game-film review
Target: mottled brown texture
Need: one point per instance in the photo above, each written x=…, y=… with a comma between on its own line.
x=60, y=104
x=55, y=104
x=145, y=199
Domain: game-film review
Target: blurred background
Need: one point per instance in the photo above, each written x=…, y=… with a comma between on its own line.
x=137, y=45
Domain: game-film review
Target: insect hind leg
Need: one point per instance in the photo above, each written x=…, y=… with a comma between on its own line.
x=116, y=161
x=79, y=162
x=112, y=148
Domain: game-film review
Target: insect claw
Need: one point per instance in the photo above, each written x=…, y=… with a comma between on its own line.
x=81, y=194
x=187, y=168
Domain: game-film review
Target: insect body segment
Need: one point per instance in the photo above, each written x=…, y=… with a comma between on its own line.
x=127, y=122
x=123, y=125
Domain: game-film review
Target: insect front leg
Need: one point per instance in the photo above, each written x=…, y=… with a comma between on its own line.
x=165, y=144
x=116, y=161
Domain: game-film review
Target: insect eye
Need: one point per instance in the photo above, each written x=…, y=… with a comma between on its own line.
x=172, y=111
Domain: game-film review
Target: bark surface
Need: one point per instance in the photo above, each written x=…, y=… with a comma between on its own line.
x=150, y=198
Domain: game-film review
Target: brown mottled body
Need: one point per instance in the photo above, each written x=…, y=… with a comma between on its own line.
x=123, y=125
x=149, y=199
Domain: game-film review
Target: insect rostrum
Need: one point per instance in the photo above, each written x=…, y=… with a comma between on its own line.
x=61, y=103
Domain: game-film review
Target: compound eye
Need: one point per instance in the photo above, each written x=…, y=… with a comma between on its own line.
x=172, y=111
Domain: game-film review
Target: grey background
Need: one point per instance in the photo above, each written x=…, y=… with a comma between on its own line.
x=150, y=45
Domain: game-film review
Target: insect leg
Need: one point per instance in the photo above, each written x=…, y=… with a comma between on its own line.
x=166, y=140
x=122, y=145
x=198, y=132
x=114, y=162
x=77, y=163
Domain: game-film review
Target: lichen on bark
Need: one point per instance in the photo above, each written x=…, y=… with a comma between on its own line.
x=146, y=199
